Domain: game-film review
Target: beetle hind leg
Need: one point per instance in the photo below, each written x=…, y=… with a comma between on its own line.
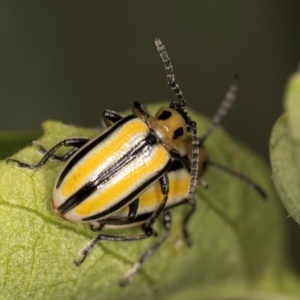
x=139, y=111
x=146, y=255
x=149, y=231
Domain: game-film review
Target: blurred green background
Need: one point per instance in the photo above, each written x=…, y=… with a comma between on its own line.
x=70, y=60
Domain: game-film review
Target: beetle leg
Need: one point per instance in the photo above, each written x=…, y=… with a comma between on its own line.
x=175, y=154
x=240, y=177
x=185, y=221
x=149, y=231
x=169, y=70
x=72, y=142
x=133, y=208
x=167, y=222
x=63, y=157
x=139, y=111
x=110, y=117
x=223, y=108
x=164, y=184
x=97, y=227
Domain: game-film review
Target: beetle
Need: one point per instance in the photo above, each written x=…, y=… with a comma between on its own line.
x=179, y=179
x=179, y=176
x=133, y=171
x=112, y=170
x=149, y=200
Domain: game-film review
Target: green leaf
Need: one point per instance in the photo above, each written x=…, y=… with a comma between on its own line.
x=292, y=106
x=238, y=239
x=285, y=150
x=11, y=142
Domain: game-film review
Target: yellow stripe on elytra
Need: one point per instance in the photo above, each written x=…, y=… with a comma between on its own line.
x=130, y=178
x=119, y=138
x=152, y=197
x=177, y=188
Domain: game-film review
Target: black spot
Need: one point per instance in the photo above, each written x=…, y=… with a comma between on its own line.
x=177, y=133
x=164, y=115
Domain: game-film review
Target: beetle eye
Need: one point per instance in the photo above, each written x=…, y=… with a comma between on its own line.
x=178, y=133
x=164, y=115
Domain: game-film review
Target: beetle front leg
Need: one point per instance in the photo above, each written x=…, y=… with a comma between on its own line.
x=72, y=142
x=139, y=111
x=175, y=154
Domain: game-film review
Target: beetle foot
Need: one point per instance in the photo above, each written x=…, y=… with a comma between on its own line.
x=20, y=164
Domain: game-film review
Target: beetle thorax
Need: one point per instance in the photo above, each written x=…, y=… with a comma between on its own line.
x=168, y=125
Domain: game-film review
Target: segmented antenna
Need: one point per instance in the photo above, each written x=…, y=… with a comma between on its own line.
x=191, y=125
x=240, y=177
x=169, y=69
x=223, y=109
x=194, y=165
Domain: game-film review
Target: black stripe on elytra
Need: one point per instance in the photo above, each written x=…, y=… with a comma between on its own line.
x=140, y=218
x=125, y=201
x=87, y=148
x=89, y=188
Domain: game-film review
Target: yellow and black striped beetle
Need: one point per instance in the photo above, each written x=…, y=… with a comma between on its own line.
x=179, y=181
x=111, y=171
x=134, y=171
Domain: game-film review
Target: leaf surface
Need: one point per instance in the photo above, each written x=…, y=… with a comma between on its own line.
x=238, y=239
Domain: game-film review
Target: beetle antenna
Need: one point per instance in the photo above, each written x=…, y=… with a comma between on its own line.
x=194, y=164
x=240, y=177
x=169, y=69
x=223, y=109
x=178, y=106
